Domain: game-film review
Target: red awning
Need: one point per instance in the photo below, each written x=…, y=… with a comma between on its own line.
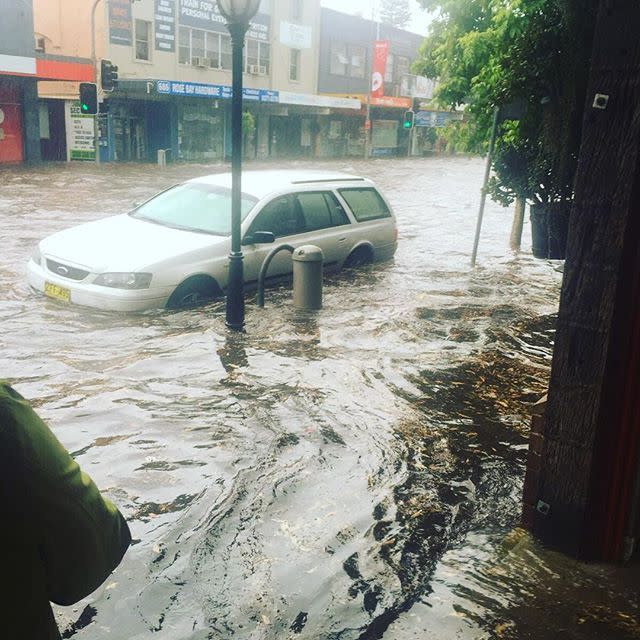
x=62, y=70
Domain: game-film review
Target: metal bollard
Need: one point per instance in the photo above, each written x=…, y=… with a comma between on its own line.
x=307, y=277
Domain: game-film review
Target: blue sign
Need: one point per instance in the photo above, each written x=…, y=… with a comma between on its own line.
x=435, y=118
x=195, y=90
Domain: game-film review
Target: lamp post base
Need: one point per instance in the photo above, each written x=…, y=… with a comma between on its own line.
x=235, y=292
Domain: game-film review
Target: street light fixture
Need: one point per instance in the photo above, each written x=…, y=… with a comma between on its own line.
x=237, y=13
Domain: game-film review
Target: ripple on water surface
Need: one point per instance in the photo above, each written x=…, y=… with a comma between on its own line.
x=303, y=479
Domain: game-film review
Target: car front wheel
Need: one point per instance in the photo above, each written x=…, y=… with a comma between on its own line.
x=194, y=292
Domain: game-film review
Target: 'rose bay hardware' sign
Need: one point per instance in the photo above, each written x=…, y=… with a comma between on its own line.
x=204, y=14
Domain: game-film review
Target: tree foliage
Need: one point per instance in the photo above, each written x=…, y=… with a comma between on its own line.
x=395, y=12
x=489, y=53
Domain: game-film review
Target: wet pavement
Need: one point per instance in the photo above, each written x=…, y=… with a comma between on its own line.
x=351, y=473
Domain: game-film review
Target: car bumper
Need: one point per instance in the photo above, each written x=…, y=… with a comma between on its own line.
x=385, y=251
x=91, y=295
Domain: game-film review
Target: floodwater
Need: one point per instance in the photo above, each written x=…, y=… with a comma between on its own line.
x=353, y=473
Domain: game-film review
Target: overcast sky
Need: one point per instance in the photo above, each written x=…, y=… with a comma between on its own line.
x=364, y=7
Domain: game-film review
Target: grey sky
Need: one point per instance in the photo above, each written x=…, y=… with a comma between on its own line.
x=364, y=7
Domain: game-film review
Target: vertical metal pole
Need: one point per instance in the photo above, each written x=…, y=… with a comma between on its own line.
x=368, y=127
x=94, y=60
x=483, y=198
x=235, y=285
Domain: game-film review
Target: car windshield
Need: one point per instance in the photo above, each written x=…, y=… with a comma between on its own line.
x=194, y=206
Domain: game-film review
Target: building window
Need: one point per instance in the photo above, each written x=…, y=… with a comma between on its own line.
x=296, y=10
x=204, y=48
x=225, y=52
x=339, y=61
x=347, y=60
x=294, y=64
x=357, y=58
x=402, y=67
x=257, y=57
x=184, y=45
x=143, y=31
x=388, y=71
x=197, y=44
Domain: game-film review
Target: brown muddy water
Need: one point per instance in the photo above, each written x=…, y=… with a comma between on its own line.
x=353, y=473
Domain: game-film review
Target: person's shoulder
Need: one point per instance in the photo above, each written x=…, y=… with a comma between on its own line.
x=9, y=397
x=7, y=391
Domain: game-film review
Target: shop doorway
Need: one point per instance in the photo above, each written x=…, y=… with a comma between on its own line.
x=53, y=143
x=129, y=138
x=284, y=137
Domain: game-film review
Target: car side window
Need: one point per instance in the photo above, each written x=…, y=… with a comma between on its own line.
x=281, y=217
x=366, y=203
x=320, y=210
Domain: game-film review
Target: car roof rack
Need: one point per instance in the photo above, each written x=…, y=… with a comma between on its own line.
x=311, y=181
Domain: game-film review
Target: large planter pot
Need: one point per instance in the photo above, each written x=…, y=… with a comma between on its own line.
x=549, y=226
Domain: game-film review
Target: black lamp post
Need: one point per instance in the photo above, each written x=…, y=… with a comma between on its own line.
x=237, y=14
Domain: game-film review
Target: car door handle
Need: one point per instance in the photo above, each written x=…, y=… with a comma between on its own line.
x=342, y=239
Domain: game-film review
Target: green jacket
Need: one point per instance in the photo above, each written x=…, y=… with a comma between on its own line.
x=60, y=538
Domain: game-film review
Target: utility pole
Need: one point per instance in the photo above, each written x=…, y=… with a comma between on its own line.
x=94, y=61
x=368, y=127
x=483, y=195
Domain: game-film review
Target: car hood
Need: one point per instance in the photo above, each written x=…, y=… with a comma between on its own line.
x=123, y=243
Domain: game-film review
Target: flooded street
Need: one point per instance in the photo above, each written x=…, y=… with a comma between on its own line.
x=351, y=473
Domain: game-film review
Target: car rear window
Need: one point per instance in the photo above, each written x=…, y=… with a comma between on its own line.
x=320, y=209
x=366, y=203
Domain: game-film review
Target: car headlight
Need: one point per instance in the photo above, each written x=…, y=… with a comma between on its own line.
x=36, y=256
x=124, y=280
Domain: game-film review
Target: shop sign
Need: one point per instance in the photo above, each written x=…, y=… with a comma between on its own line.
x=204, y=14
x=195, y=90
x=436, y=118
x=80, y=141
x=312, y=100
x=120, y=22
x=296, y=36
x=417, y=86
x=389, y=101
x=165, y=21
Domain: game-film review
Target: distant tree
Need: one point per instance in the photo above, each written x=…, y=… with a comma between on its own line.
x=395, y=12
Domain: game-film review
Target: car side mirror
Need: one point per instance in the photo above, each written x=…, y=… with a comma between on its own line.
x=259, y=237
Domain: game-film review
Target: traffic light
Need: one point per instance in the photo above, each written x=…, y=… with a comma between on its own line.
x=108, y=75
x=88, y=98
x=407, y=123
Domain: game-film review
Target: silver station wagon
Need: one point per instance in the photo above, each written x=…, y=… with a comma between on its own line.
x=172, y=251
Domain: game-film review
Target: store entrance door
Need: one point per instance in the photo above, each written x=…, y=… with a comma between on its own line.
x=53, y=142
x=130, y=138
x=284, y=137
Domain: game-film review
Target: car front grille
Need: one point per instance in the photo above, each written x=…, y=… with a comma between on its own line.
x=66, y=271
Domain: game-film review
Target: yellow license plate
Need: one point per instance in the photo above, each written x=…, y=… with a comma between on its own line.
x=59, y=293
